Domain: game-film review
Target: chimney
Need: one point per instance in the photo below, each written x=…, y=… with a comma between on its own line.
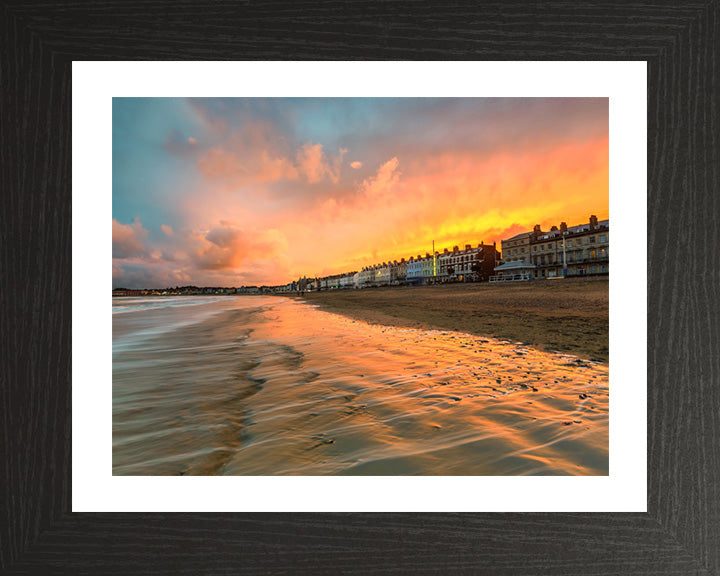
x=553, y=229
x=445, y=251
x=455, y=248
x=467, y=246
x=593, y=222
x=563, y=226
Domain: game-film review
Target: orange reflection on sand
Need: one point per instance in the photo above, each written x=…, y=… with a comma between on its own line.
x=295, y=390
x=403, y=401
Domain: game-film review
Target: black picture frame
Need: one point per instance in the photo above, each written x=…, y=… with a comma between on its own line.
x=680, y=533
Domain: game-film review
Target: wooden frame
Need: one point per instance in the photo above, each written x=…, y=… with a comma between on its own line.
x=680, y=533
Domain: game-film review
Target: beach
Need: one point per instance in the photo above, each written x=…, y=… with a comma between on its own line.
x=261, y=385
x=564, y=315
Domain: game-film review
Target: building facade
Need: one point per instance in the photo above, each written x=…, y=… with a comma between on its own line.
x=471, y=264
x=366, y=277
x=382, y=274
x=516, y=248
x=580, y=250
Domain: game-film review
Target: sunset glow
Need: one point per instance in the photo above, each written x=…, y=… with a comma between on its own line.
x=232, y=192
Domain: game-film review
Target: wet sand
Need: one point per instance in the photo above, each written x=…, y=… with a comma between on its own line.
x=569, y=316
x=279, y=387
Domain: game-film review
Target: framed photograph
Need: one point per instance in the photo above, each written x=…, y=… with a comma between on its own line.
x=284, y=317
x=271, y=323
x=250, y=205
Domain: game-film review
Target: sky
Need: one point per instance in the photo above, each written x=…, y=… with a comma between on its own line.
x=262, y=191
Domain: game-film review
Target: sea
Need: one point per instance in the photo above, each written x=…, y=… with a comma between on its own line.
x=266, y=385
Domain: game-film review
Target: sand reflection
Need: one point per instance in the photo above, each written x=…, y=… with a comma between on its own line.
x=278, y=387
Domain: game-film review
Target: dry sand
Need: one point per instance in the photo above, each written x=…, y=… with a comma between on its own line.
x=565, y=315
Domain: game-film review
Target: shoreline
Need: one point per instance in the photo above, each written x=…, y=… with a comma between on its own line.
x=569, y=316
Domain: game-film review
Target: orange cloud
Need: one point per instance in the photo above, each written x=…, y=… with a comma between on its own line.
x=117, y=270
x=128, y=240
x=312, y=162
x=381, y=186
x=227, y=246
x=223, y=164
x=241, y=163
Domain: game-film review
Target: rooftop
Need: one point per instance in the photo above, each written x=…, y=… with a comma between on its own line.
x=574, y=229
x=555, y=233
x=518, y=236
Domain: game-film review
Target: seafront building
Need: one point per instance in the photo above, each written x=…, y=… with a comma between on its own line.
x=427, y=266
x=366, y=277
x=382, y=275
x=469, y=264
x=419, y=269
x=413, y=269
x=580, y=250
